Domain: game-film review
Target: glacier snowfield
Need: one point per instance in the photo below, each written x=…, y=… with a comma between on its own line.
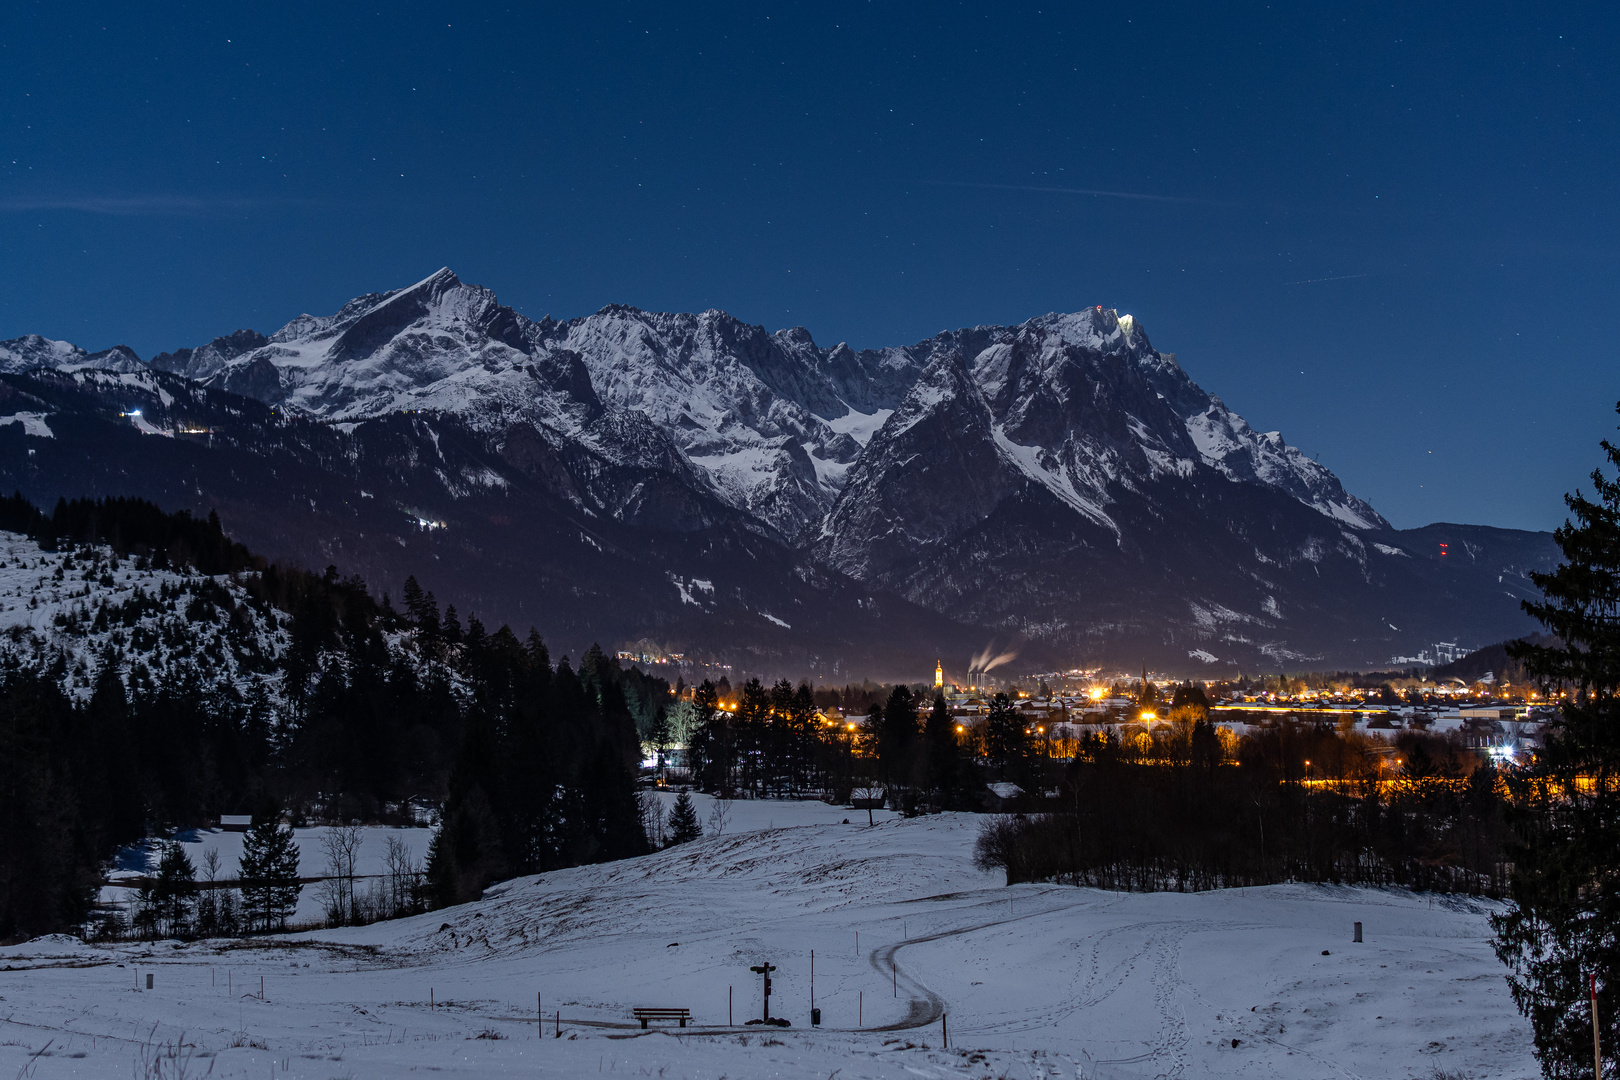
x=1035, y=981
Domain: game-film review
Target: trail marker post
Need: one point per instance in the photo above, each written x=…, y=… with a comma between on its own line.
x=764, y=971
x=1358, y=933
x=815, y=1013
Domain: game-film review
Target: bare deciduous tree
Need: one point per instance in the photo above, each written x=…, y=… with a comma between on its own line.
x=404, y=877
x=341, y=846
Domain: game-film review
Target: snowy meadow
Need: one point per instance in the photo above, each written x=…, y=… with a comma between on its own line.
x=911, y=945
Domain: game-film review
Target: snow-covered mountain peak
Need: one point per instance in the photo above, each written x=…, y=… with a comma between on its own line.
x=32, y=351
x=770, y=423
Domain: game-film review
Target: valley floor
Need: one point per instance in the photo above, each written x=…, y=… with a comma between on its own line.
x=1034, y=981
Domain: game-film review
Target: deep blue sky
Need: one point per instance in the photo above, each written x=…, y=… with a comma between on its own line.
x=1391, y=233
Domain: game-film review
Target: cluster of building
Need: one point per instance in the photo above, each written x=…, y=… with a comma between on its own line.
x=1503, y=730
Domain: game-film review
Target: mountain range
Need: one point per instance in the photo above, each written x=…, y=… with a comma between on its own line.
x=692, y=484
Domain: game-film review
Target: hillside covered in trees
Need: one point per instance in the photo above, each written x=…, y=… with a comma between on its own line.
x=155, y=674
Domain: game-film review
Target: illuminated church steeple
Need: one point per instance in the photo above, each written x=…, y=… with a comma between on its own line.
x=939, y=675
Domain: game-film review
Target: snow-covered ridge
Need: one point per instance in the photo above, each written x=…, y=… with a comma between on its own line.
x=32, y=351
x=769, y=423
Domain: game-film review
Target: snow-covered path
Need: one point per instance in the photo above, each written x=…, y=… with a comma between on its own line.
x=1034, y=981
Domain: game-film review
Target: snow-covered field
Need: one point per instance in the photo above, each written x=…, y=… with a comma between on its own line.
x=1035, y=981
x=370, y=861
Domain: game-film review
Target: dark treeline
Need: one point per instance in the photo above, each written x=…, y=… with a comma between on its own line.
x=532, y=761
x=764, y=741
x=1183, y=810
x=129, y=527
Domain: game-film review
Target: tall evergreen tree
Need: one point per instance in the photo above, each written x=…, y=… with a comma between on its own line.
x=1565, y=809
x=174, y=893
x=897, y=736
x=684, y=826
x=269, y=871
x=942, y=757
x=1004, y=739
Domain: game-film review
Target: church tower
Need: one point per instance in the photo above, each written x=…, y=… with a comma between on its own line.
x=939, y=675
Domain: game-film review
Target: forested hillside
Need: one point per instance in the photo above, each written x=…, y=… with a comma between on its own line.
x=155, y=674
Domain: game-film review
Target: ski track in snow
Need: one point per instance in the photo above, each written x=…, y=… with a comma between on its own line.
x=1036, y=980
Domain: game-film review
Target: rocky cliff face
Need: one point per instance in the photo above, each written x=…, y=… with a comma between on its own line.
x=1059, y=481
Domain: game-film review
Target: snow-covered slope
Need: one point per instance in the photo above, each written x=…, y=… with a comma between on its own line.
x=75, y=613
x=1033, y=981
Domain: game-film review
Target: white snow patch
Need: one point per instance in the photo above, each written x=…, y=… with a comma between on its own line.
x=1202, y=655
x=1387, y=550
x=775, y=620
x=858, y=425
x=33, y=423
x=145, y=426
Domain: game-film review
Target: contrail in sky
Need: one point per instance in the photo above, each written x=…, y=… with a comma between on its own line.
x=1138, y=195
x=1314, y=280
x=128, y=206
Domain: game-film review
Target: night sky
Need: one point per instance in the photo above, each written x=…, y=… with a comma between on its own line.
x=1388, y=231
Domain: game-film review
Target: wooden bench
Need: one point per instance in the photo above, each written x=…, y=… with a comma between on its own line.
x=644, y=1015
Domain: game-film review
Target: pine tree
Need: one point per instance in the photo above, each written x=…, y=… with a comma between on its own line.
x=897, y=736
x=1565, y=809
x=174, y=894
x=269, y=872
x=942, y=758
x=1004, y=740
x=683, y=821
